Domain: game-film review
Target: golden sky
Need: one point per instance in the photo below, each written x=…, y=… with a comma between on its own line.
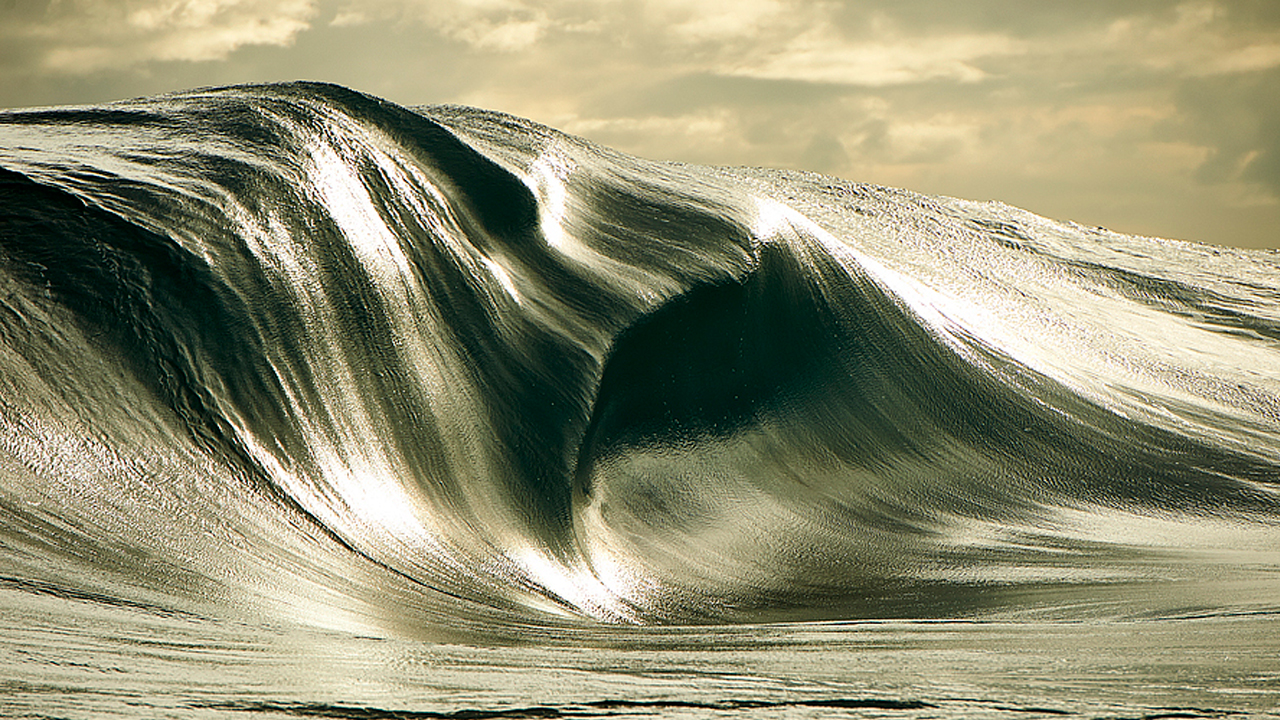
x=1145, y=116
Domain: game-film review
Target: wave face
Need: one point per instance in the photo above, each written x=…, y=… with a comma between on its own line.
x=295, y=350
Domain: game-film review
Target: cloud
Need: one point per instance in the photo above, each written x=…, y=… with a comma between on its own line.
x=824, y=58
x=1197, y=38
x=700, y=21
x=1237, y=119
x=517, y=25
x=85, y=36
x=504, y=26
x=1247, y=59
x=825, y=153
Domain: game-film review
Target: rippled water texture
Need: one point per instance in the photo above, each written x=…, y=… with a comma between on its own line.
x=312, y=405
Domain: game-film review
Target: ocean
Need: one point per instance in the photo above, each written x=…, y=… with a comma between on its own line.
x=314, y=405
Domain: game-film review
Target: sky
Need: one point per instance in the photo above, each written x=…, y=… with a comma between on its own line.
x=1153, y=117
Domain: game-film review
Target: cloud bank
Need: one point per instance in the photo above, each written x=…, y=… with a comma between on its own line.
x=1150, y=116
x=85, y=36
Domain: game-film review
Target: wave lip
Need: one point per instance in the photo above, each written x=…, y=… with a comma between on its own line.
x=292, y=346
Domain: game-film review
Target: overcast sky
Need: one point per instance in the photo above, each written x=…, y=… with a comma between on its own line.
x=1156, y=117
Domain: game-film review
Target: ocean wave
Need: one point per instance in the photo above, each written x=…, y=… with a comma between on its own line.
x=297, y=349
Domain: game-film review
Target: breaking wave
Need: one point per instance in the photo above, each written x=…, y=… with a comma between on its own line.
x=294, y=349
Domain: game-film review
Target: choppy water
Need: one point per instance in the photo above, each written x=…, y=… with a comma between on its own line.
x=316, y=406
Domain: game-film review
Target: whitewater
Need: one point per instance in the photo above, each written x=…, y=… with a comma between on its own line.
x=314, y=405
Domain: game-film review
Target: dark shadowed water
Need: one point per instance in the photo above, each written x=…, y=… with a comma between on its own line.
x=315, y=406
